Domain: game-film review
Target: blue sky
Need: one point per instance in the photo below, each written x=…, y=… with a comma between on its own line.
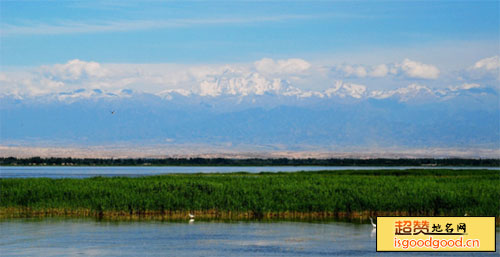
x=36, y=33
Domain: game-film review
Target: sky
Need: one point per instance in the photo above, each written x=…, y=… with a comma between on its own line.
x=307, y=52
x=49, y=32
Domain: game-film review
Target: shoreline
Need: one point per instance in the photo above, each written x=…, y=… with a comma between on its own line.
x=202, y=215
x=246, y=162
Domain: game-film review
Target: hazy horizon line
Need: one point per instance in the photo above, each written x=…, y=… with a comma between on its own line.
x=217, y=151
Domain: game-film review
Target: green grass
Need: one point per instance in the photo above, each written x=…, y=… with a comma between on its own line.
x=416, y=192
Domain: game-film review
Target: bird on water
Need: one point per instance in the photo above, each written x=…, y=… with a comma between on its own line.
x=373, y=224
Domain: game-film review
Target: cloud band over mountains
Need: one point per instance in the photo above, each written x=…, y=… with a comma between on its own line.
x=288, y=77
x=268, y=105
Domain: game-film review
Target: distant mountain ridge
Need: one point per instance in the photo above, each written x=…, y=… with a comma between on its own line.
x=346, y=116
x=257, y=88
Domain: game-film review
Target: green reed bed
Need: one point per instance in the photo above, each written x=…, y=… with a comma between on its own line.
x=413, y=192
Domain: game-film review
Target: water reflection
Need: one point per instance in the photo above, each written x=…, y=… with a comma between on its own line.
x=49, y=237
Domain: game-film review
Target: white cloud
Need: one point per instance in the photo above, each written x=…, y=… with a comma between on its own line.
x=80, y=27
x=289, y=66
x=379, y=71
x=289, y=77
x=407, y=67
x=415, y=69
x=489, y=64
x=485, y=69
x=354, y=71
x=74, y=70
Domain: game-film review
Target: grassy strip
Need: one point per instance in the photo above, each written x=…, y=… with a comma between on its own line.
x=264, y=195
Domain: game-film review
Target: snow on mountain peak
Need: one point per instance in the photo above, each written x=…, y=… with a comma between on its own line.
x=253, y=83
x=404, y=93
x=342, y=90
x=168, y=93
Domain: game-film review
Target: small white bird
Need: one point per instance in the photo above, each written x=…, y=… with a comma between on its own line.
x=191, y=216
x=373, y=224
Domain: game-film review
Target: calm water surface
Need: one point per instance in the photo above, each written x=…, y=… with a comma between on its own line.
x=84, y=172
x=87, y=237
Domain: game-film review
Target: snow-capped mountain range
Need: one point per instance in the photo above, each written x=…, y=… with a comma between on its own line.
x=271, y=105
x=254, y=87
x=281, y=118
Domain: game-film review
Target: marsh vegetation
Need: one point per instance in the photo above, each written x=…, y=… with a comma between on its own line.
x=296, y=194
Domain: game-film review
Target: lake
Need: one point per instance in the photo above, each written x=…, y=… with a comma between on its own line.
x=135, y=171
x=89, y=237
